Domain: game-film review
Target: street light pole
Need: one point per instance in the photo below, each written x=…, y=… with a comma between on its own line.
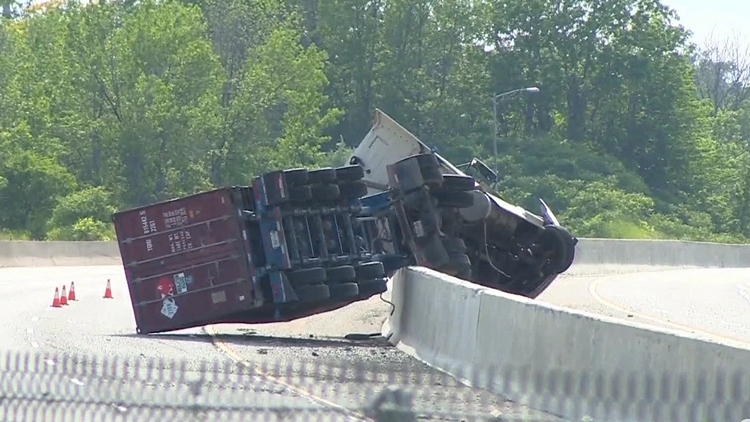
x=504, y=95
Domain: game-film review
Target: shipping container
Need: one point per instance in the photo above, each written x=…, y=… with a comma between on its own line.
x=187, y=261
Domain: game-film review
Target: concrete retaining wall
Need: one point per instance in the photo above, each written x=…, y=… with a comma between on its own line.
x=672, y=253
x=562, y=361
x=30, y=254
x=592, y=255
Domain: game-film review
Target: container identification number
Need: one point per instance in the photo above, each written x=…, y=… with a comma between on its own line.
x=274, y=239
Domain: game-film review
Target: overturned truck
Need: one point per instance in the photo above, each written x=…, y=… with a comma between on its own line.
x=505, y=246
x=299, y=242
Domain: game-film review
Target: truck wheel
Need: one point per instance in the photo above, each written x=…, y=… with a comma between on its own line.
x=323, y=175
x=341, y=274
x=426, y=161
x=373, y=287
x=454, y=245
x=459, y=266
x=325, y=193
x=349, y=173
x=299, y=193
x=314, y=293
x=352, y=190
x=306, y=276
x=343, y=290
x=432, y=176
x=370, y=270
x=458, y=182
x=458, y=199
x=430, y=169
x=296, y=177
x=559, y=240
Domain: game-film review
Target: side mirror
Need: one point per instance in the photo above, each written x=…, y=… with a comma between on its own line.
x=484, y=170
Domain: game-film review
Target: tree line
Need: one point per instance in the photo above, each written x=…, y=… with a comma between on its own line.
x=634, y=133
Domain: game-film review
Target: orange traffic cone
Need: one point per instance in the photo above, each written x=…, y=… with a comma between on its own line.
x=63, y=297
x=56, y=300
x=72, y=294
x=108, y=292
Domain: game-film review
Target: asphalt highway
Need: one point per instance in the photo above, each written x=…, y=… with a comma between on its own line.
x=224, y=372
x=710, y=303
x=228, y=372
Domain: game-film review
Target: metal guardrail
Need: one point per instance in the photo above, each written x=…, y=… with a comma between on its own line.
x=49, y=388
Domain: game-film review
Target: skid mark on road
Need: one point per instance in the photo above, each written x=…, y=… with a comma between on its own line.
x=228, y=351
x=659, y=321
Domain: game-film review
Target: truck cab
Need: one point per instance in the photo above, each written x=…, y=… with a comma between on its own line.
x=508, y=247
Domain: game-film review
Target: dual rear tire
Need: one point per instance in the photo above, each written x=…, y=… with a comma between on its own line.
x=334, y=281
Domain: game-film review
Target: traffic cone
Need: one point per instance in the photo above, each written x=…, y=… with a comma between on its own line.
x=56, y=300
x=72, y=294
x=63, y=297
x=108, y=292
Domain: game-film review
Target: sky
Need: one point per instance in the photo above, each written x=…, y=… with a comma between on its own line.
x=720, y=19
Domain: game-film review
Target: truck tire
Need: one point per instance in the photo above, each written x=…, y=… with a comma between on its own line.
x=325, y=193
x=433, y=251
x=458, y=182
x=350, y=173
x=341, y=274
x=373, y=287
x=296, y=177
x=560, y=240
x=307, y=276
x=299, y=193
x=343, y=290
x=459, y=266
x=456, y=199
x=426, y=161
x=352, y=190
x=370, y=270
x=323, y=175
x=454, y=245
x=430, y=169
x=432, y=176
x=312, y=293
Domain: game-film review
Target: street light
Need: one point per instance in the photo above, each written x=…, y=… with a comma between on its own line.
x=505, y=95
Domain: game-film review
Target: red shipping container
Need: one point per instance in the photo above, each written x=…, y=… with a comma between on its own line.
x=187, y=262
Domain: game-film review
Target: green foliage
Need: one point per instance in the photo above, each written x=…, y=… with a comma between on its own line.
x=85, y=229
x=89, y=202
x=110, y=105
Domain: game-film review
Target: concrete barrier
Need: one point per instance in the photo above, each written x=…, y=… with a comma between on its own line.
x=30, y=253
x=619, y=256
x=563, y=361
x=592, y=255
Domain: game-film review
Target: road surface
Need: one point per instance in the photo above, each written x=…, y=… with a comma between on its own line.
x=236, y=362
x=710, y=303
